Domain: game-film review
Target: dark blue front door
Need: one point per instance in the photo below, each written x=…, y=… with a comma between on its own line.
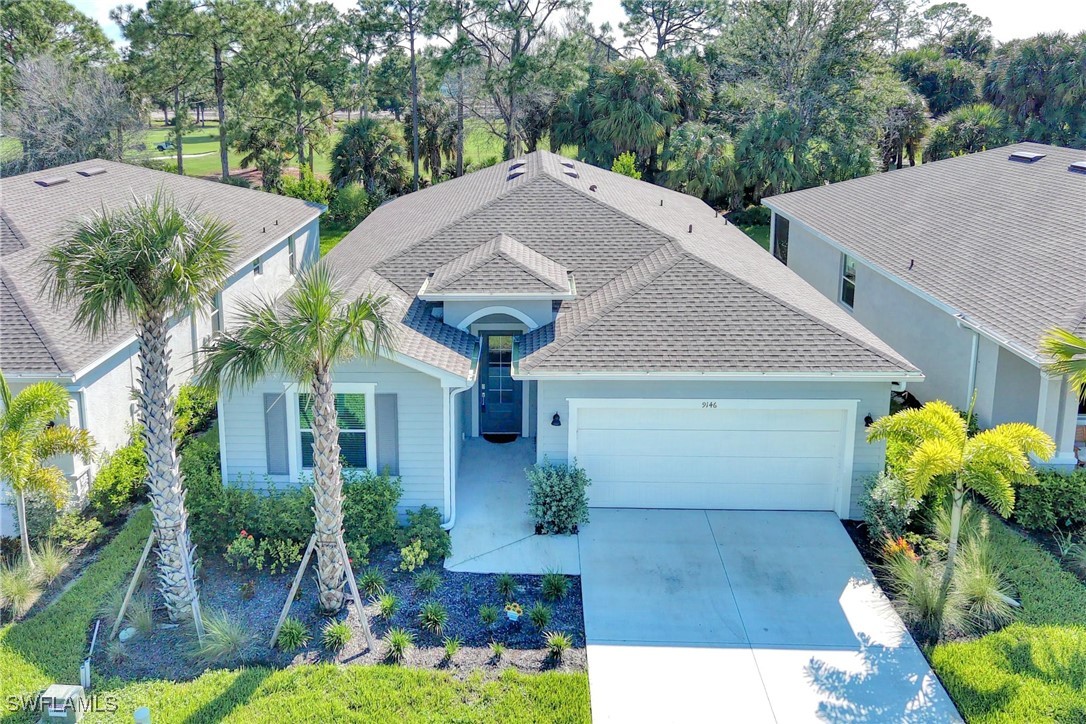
x=499, y=393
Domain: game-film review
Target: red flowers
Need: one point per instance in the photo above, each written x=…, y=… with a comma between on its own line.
x=243, y=534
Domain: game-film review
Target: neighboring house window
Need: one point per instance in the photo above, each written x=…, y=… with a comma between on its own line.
x=216, y=314
x=258, y=266
x=780, y=238
x=292, y=255
x=351, y=411
x=848, y=281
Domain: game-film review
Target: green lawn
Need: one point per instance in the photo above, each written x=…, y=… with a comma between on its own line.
x=758, y=232
x=1035, y=669
x=331, y=234
x=50, y=646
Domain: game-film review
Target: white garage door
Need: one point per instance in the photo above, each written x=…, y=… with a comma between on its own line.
x=754, y=455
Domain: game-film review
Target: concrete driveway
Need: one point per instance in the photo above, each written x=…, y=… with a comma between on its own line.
x=743, y=616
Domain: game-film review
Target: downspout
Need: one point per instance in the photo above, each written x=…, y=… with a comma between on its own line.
x=450, y=461
x=974, y=354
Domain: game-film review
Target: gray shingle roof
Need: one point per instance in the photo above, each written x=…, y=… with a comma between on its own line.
x=35, y=217
x=1000, y=241
x=501, y=266
x=663, y=282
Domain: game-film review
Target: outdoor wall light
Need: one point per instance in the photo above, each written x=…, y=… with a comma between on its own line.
x=868, y=420
x=556, y=421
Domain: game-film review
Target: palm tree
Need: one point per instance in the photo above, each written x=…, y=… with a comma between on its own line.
x=1069, y=352
x=369, y=152
x=310, y=330
x=147, y=263
x=968, y=129
x=29, y=436
x=700, y=161
x=943, y=457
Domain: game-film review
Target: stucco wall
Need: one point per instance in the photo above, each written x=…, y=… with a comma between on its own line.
x=873, y=397
x=540, y=312
x=421, y=430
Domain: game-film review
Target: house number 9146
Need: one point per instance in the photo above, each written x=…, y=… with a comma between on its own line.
x=708, y=405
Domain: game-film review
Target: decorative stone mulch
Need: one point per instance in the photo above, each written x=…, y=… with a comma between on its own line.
x=165, y=652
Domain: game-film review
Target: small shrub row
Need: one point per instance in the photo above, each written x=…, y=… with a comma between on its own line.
x=120, y=480
x=1058, y=500
x=194, y=411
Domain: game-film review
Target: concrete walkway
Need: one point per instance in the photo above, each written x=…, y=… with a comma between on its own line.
x=493, y=531
x=743, y=616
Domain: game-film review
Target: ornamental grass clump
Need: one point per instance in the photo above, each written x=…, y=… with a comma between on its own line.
x=225, y=639
x=293, y=635
x=433, y=616
x=558, y=498
x=336, y=635
x=399, y=641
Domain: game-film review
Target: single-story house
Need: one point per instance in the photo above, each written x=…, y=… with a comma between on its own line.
x=962, y=265
x=615, y=323
x=275, y=237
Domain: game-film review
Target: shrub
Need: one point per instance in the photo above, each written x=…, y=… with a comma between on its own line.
x=194, y=411
x=19, y=589
x=626, y=164
x=412, y=556
x=387, y=605
x=427, y=581
x=225, y=639
x=424, y=526
x=540, y=615
x=452, y=646
x=293, y=635
x=50, y=560
x=285, y=514
x=1058, y=500
x=555, y=586
x=399, y=641
x=751, y=216
x=336, y=635
x=557, y=643
x=281, y=554
x=369, y=506
x=558, y=502
x=497, y=649
x=372, y=582
x=433, y=617
x=350, y=205
x=507, y=586
x=237, y=181
x=307, y=187
x=488, y=614
x=216, y=511
x=888, y=507
x=119, y=481
x=244, y=553
x=72, y=529
x=140, y=615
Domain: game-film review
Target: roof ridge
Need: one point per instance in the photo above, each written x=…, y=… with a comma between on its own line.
x=508, y=256
x=442, y=229
x=802, y=312
x=32, y=320
x=673, y=254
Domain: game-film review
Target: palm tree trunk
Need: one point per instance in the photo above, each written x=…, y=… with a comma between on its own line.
x=164, y=485
x=177, y=130
x=220, y=107
x=24, y=534
x=327, y=493
x=460, y=122
x=414, y=112
x=952, y=551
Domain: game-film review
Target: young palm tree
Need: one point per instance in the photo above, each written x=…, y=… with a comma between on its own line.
x=1069, y=352
x=147, y=263
x=942, y=456
x=305, y=334
x=29, y=437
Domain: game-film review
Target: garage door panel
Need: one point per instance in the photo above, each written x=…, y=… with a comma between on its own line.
x=626, y=470
x=714, y=419
x=747, y=496
x=736, y=443
x=758, y=455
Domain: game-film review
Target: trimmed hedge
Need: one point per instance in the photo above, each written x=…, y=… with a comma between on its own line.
x=1033, y=670
x=1058, y=500
x=119, y=481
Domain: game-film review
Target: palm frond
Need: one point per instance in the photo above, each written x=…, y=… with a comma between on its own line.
x=62, y=440
x=35, y=407
x=1069, y=354
x=911, y=427
x=932, y=458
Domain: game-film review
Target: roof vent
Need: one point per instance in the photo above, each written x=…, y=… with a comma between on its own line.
x=1077, y=167
x=568, y=164
x=1026, y=156
x=516, y=165
x=92, y=171
x=514, y=175
x=592, y=187
x=573, y=174
x=52, y=181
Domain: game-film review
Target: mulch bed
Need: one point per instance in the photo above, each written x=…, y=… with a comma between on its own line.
x=165, y=652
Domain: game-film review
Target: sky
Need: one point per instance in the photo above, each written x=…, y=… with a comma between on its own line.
x=1010, y=18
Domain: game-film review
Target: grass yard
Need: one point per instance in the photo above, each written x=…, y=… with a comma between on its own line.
x=758, y=232
x=50, y=646
x=1035, y=669
x=332, y=233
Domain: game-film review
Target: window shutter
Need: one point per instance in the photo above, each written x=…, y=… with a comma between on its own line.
x=275, y=433
x=388, y=434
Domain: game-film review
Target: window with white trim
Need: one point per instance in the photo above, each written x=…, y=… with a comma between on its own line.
x=216, y=314
x=848, y=281
x=351, y=414
x=258, y=266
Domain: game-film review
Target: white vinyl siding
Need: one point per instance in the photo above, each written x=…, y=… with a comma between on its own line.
x=873, y=398
x=420, y=429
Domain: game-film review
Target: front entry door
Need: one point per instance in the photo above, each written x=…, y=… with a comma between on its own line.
x=499, y=393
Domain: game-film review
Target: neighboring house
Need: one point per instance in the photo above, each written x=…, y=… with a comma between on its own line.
x=275, y=237
x=619, y=324
x=962, y=265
